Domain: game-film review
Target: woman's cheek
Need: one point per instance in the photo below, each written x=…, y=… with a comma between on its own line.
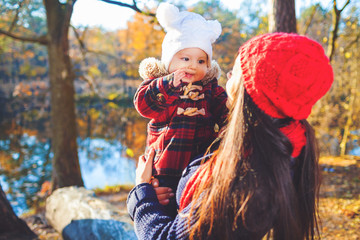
x=229, y=103
x=229, y=87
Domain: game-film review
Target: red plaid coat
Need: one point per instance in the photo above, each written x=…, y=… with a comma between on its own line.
x=178, y=138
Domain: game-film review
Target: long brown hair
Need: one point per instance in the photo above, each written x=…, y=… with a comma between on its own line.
x=252, y=186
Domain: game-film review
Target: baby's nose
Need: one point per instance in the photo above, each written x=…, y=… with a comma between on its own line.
x=191, y=65
x=190, y=70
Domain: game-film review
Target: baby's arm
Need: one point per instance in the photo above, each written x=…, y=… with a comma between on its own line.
x=156, y=95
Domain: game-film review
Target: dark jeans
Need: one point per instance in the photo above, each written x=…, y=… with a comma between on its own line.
x=171, y=182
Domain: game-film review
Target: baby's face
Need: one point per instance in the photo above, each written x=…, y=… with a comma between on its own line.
x=193, y=61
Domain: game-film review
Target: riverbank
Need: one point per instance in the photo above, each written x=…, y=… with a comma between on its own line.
x=339, y=206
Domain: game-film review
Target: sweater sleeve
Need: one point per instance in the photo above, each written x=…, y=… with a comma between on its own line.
x=150, y=219
x=155, y=95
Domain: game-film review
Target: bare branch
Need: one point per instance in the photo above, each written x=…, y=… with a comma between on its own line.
x=98, y=52
x=81, y=42
x=13, y=23
x=347, y=3
x=85, y=50
x=84, y=32
x=41, y=40
x=121, y=4
x=309, y=20
x=133, y=7
x=352, y=42
x=91, y=83
x=336, y=14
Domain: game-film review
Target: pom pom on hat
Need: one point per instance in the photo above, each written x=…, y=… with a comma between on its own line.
x=150, y=68
x=185, y=30
x=168, y=15
x=285, y=74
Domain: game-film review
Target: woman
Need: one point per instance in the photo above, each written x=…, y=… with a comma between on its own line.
x=264, y=177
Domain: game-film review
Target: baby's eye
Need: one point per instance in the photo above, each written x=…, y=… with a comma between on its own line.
x=185, y=58
x=201, y=61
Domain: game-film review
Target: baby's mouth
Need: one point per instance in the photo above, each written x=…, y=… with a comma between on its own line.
x=189, y=73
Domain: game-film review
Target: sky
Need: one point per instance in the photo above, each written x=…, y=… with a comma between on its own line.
x=112, y=17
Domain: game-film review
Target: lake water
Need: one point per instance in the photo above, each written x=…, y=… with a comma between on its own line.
x=108, y=130
x=112, y=166
x=102, y=162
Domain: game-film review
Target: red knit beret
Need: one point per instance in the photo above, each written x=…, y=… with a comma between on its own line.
x=285, y=74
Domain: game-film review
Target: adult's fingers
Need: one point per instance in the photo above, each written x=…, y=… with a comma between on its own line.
x=150, y=157
x=164, y=202
x=155, y=182
x=141, y=160
x=163, y=193
x=144, y=168
x=164, y=198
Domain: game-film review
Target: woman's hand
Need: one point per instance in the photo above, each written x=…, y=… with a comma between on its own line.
x=144, y=168
x=144, y=175
x=163, y=193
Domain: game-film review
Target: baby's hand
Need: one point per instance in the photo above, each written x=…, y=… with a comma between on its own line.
x=178, y=76
x=184, y=75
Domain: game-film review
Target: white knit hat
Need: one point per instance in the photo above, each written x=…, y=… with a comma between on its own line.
x=185, y=30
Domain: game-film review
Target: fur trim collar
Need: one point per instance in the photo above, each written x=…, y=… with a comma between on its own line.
x=151, y=68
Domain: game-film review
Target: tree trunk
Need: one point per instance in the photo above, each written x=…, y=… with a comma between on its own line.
x=12, y=227
x=66, y=167
x=350, y=112
x=282, y=17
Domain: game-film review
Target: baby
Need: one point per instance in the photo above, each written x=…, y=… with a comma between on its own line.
x=180, y=93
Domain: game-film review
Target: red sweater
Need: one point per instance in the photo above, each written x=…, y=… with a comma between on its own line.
x=176, y=137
